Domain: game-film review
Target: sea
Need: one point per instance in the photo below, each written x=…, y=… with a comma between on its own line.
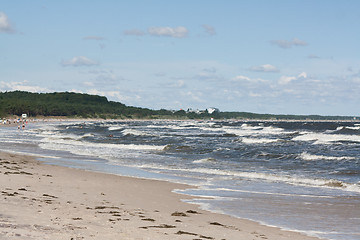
x=302, y=176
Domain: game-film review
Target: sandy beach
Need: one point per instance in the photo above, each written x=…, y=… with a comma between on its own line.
x=40, y=201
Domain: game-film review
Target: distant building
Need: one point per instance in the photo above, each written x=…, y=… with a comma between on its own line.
x=197, y=111
x=212, y=110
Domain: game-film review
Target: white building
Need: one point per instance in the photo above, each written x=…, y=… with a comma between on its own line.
x=212, y=110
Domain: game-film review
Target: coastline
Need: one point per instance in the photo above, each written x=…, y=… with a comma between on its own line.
x=72, y=119
x=41, y=201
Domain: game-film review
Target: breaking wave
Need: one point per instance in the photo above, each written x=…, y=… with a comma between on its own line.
x=310, y=157
x=322, y=138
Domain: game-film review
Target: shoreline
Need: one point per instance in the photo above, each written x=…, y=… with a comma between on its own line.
x=71, y=119
x=41, y=201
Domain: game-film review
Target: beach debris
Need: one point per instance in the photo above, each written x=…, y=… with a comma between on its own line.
x=179, y=214
x=225, y=226
x=50, y=196
x=22, y=172
x=187, y=233
x=159, y=226
x=193, y=234
x=192, y=212
x=103, y=207
x=217, y=224
x=9, y=194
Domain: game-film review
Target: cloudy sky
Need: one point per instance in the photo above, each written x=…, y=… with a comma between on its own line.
x=279, y=56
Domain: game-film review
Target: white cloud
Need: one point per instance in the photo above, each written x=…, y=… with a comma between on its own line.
x=252, y=94
x=79, y=61
x=181, y=83
x=287, y=79
x=5, y=25
x=210, y=30
x=356, y=79
x=178, y=32
x=21, y=86
x=302, y=75
x=116, y=95
x=195, y=96
x=134, y=32
x=298, y=42
x=264, y=68
x=75, y=91
x=289, y=44
x=176, y=84
x=241, y=78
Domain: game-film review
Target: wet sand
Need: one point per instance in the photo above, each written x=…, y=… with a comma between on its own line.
x=39, y=201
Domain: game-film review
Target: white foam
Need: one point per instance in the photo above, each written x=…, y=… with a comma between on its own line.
x=204, y=160
x=269, y=193
x=133, y=132
x=115, y=128
x=246, y=130
x=88, y=135
x=293, y=180
x=353, y=128
x=310, y=157
x=258, y=140
x=322, y=138
x=107, y=146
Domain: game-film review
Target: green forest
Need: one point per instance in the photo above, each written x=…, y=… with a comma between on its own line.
x=70, y=104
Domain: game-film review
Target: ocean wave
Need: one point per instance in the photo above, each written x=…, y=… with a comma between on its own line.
x=267, y=193
x=205, y=160
x=115, y=128
x=71, y=142
x=323, y=138
x=310, y=157
x=310, y=182
x=344, y=130
x=175, y=148
x=293, y=180
x=86, y=135
x=246, y=130
x=133, y=132
x=258, y=140
x=49, y=134
x=347, y=127
x=30, y=154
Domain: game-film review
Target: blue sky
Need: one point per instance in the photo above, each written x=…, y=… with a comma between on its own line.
x=289, y=57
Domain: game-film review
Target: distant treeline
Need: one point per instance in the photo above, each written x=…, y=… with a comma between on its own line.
x=68, y=104
x=92, y=106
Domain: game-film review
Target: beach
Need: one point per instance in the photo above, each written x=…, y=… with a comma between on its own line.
x=41, y=201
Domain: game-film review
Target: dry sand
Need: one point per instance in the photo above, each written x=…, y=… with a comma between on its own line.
x=39, y=201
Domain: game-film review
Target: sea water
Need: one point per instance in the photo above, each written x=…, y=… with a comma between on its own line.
x=300, y=176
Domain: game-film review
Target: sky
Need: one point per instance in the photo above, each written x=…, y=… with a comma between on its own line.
x=261, y=56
